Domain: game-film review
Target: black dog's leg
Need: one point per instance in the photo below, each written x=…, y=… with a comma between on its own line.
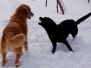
x=74, y=32
x=54, y=47
x=66, y=43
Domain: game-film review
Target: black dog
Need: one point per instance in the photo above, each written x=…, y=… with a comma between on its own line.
x=59, y=33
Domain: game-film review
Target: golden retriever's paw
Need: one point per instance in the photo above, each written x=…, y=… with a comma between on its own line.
x=3, y=63
x=17, y=64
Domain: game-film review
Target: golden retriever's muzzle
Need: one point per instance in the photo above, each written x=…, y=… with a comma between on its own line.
x=31, y=15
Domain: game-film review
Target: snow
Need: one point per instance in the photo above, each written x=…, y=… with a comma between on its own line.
x=39, y=54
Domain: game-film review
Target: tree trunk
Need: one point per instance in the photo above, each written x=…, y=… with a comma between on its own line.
x=57, y=7
x=88, y=1
x=61, y=8
x=46, y=3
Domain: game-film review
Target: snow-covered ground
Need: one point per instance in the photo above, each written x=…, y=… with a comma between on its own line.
x=39, y=54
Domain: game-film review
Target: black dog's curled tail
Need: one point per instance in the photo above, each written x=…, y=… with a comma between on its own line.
x=83, y=18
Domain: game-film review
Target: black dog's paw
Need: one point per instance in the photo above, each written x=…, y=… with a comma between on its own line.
x=73, y=52
x=53, y=51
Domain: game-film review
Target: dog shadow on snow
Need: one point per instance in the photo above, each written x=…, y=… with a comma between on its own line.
x=78, y=44
x=11, y=58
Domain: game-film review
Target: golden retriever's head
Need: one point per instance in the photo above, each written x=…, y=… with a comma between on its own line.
x=24, y=10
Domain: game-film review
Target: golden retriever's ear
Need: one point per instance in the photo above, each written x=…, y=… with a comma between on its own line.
x=25, y=10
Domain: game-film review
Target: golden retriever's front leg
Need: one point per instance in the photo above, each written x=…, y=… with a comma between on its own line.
x=3, y=58
x=25, y=46
x=17, y=63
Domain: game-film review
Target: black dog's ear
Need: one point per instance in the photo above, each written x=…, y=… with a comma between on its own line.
x=40, y=18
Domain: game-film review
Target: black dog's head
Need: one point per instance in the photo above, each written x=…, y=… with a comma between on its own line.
x=46, y=21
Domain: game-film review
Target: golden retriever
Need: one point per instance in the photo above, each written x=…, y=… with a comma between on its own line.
x=14, y=35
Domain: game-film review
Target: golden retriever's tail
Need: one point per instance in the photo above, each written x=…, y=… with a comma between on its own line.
x=15, y=41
